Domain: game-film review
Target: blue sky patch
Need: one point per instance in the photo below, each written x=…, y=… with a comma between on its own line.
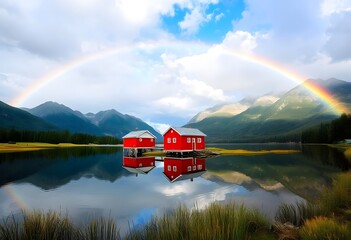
x=221, y=20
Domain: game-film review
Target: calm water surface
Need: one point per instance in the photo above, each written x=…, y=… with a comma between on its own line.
x=96, y=181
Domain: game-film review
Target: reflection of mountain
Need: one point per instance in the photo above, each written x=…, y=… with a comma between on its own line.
x=58, y=167
x=296, y=172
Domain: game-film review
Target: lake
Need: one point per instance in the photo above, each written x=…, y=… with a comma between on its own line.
x=90, y=182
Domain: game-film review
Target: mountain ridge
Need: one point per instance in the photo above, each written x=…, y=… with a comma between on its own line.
x=295, y=110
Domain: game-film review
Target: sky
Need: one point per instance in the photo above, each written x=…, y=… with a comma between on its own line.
x=164, y=61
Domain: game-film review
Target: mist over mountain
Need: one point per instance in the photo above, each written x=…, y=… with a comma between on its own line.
x=283, y=118
x=232, y=109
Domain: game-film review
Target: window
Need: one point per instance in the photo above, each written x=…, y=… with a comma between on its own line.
x=198, y=140
x=169, y=168
x=174, y=168
x=194, y=168
x=140, y=139
x=199, y=167
x=174, y=140
x=188, y=140
x=168, y=140
x=189, y=168
x=151, y=139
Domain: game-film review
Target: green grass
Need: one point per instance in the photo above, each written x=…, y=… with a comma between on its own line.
x=229, y=221
x=338, y=199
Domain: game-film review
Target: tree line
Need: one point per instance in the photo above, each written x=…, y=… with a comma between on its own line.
x=331, y=132
x=55, y=137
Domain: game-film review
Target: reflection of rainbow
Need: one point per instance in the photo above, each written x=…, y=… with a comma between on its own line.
x=15, y=198
x=325, y=96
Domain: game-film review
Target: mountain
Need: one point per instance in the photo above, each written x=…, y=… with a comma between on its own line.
x=284, y=119
x=232, y=109
x=65, y=118
x=110, y=122
x=14, y=118
x=114, y=123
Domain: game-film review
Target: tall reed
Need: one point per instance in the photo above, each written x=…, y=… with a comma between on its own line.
x=322, y=228
x=297, y=213
x=338, y=198
x=229, y=221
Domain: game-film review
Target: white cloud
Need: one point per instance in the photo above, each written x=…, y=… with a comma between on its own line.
x=197, y=16
x=329, y=7
x=219, y=16
x=192, y=21
x=240, y=40
x=339, y=34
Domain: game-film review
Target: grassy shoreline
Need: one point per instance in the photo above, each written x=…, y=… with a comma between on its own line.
x=34, y=146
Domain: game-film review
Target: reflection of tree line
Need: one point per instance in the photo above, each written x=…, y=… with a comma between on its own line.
x=59, y=166
x=55, y=153
x=327, y=156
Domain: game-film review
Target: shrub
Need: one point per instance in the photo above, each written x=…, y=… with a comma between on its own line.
x=321, y=228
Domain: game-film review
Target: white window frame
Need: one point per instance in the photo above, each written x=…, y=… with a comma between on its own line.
x=169, y=140
x=140, y=139
x=174, y=140
x=151, y=139
x=169, y=168
x=194, y=168
x=188, y=140
x=198, y=140
x=174, y=168
x=189, y=169
x=199, y=167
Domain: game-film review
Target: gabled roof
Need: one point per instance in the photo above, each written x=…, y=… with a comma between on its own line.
x=141, y=170
x=187, y=131
x=139, y=134
x=186, y=176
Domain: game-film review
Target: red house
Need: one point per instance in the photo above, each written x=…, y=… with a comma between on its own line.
x=177, y=169
x=139, y=139
x=142, y=165
x=183, y=140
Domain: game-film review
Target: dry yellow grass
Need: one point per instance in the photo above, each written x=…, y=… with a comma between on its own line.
x=348, y=153
x=32, y=146
x=249, y=152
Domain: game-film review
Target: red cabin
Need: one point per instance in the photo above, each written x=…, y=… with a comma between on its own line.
x=139, y=139
x=183, y=140
x=177, y=169
x=138, y=165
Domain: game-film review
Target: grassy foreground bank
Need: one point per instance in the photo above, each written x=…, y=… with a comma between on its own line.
x=329, y=219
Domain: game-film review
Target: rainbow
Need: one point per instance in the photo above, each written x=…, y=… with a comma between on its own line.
x=325, y=96
x=321, y=93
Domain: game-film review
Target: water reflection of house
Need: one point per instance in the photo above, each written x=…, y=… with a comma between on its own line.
x=177, y=169
x=135, y=142
x=183, y=140
x=136, y=165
